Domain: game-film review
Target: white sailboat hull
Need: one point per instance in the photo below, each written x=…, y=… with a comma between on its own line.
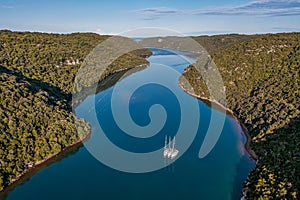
x=174, y=153
x=166, y=152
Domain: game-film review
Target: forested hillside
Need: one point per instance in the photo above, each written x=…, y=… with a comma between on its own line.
x=260, y=72
x=35, y=122
x=37, y=71
x=261, y=78
x=55, y=58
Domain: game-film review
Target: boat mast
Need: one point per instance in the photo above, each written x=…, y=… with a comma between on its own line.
x=166, y=141
x=173, y=143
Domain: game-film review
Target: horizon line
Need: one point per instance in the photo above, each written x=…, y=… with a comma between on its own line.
x=187, y=34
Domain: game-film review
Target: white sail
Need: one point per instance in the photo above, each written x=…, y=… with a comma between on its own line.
x=174, y=151
x=169, y=149
x=173, y=143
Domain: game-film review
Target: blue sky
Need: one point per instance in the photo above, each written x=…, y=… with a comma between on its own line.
x=190, y=17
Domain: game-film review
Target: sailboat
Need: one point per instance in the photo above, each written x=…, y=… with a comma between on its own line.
x=170, y=152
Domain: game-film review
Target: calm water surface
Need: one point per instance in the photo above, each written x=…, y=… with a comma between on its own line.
x=80, y=176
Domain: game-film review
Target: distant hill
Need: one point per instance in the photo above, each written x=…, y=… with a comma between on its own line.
x=261, y=75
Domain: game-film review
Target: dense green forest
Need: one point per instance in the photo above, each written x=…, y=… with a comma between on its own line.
x=37, y=72
x=55, y=58
x=261, y=79
x=35, y=122
x=260, y=73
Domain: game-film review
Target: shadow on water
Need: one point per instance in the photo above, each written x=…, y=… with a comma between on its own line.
x=189, y=178
x=57, y=95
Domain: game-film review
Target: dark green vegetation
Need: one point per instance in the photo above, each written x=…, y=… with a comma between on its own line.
x=37, y=71
x=55, y=58
x=35, y=123
x=261, y=75
x=260, y=72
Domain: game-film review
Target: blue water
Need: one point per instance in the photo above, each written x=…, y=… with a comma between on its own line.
x=79, y=175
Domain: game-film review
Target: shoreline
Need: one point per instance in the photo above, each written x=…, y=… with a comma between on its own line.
x=102, y=83
x=247, y=146
x=222, y=108
x=37, y=166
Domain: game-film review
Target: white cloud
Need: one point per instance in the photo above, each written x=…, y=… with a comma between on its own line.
x=257, y=8
x=154, y=13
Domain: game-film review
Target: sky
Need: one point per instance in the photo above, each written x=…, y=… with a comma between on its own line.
x=189, y=17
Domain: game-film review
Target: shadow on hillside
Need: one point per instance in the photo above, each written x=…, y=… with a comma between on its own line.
x=280, y=157
x=55, y=94
x=105, y=83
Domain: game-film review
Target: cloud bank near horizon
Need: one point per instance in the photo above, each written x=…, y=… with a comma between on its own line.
x=264, y=8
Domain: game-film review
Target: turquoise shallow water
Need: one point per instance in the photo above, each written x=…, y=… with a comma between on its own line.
x=79, y=175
